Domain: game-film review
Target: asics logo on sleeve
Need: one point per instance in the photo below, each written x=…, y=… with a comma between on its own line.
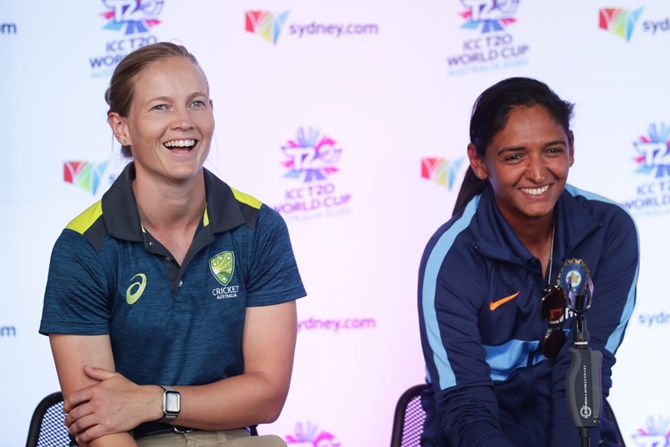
x=493, y=305
x=136, y=289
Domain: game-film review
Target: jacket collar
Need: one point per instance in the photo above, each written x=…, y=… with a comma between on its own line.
x=498, y=240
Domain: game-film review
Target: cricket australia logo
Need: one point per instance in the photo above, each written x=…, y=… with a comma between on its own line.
x=222, y=267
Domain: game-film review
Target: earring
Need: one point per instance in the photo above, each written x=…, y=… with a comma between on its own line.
x=123, y=142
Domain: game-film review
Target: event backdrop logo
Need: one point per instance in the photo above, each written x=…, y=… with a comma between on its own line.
x=654, y=151
x=493, y=47
x=131, y=20
x=310, y=436
x=440, y=170
x=311, y=156
x=489, y=15
x=85, y=175
x=653, y=163
x=618, y=21
x=656, y=434
x=268, y=25
x=311, y=160
x=132, y=16
x=265, y=24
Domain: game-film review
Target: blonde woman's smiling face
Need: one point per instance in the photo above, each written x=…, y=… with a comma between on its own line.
x=170, y=123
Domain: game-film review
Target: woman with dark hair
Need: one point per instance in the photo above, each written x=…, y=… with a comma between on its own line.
x=170, y=303
x=496, y=358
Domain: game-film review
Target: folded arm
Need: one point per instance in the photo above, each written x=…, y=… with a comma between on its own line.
x=82, y=401
x=258, y=395
x=101, y=402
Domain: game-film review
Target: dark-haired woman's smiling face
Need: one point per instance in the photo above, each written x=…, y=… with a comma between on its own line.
x=527, y=163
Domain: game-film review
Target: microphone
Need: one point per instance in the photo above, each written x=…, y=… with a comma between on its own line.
x=583, y=385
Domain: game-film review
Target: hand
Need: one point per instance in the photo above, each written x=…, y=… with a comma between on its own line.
x=113, y=405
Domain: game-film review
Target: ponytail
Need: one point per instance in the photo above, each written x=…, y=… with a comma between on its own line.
x=471, y=187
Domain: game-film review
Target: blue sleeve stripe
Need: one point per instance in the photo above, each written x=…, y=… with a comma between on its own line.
x=614, y=341
x=447, y=378
x=574, y=191
x=506, y=358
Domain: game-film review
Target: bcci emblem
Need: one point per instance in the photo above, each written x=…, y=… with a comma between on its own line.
x=222, y=267
x=575, y=276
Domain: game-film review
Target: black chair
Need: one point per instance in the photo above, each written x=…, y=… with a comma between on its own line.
x=409, y=417
x=46, y=426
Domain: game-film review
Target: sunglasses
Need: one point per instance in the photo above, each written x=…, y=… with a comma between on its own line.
x=552, y=308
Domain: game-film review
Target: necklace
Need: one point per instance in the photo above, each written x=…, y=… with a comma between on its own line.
x=551, y=252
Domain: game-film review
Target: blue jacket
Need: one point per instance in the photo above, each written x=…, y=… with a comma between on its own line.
x=491, y=386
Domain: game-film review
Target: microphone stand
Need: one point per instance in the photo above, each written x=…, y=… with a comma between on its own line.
x=583, y=386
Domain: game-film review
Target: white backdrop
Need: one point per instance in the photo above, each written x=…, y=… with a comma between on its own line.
x=377, y=95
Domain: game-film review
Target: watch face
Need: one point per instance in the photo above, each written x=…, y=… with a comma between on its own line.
x=172, y=402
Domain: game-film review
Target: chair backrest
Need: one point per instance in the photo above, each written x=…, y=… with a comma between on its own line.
x=46, y=426
x=408, y=418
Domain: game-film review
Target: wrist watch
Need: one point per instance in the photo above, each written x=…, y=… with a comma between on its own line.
x=171, y=404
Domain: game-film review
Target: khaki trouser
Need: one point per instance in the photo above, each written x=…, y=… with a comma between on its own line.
x=199, y=438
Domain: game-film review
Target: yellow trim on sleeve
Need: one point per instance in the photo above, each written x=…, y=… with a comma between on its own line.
x=83, y=222
x=246, y=198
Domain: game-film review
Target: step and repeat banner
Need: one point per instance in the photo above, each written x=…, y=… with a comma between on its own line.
x=350, y=118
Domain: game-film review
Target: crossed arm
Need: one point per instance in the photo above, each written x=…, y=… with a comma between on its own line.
x=102, y=405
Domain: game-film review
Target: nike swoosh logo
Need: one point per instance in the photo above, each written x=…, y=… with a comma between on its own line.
x=493, y=305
